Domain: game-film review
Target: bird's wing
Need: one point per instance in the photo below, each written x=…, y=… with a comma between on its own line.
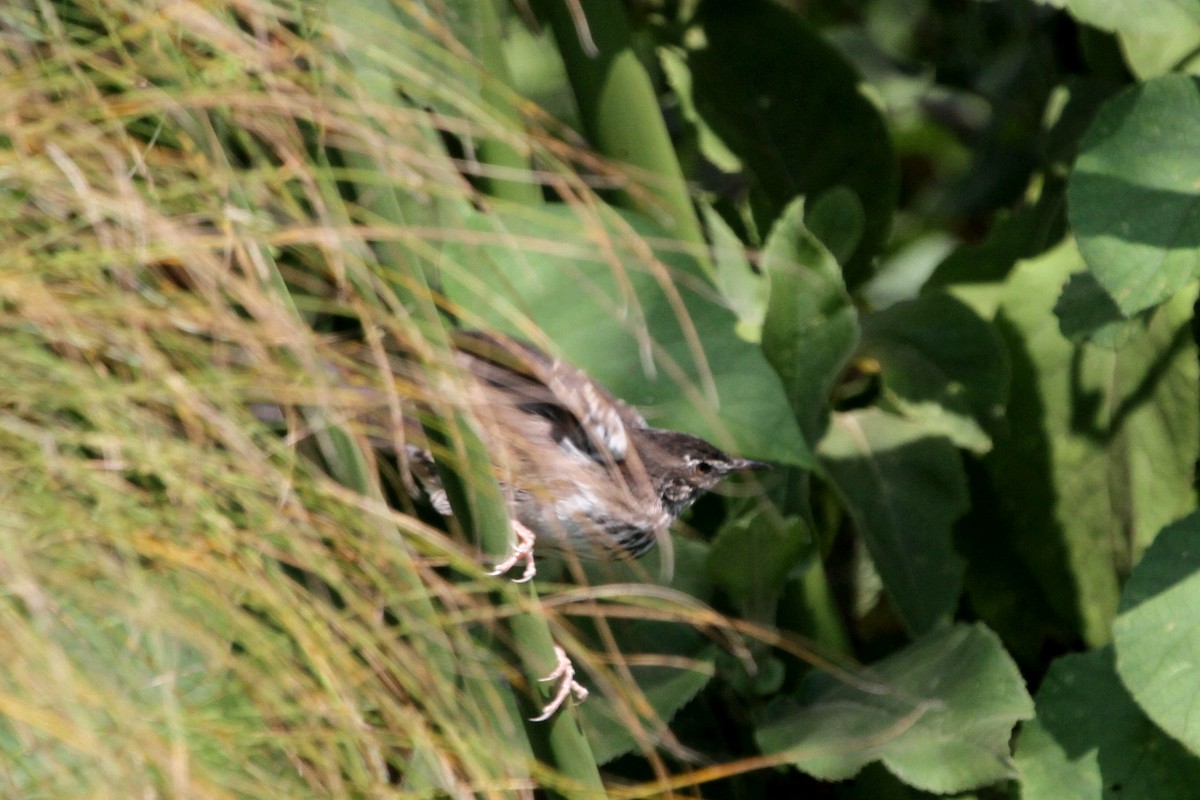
x=583, y=413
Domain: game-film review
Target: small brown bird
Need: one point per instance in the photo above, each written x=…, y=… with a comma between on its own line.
x=581, y=469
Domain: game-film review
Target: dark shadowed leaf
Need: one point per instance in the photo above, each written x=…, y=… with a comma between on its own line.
x=1087, y=313
x=941, y=364
x=903, y=484
x=837, y=218
x=789, y=106
x=1090, y=740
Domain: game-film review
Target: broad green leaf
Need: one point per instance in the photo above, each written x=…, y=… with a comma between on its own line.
x=1156, y=632
x=1157, y=36
x=811, y=326
x=1100, y=445
x=619, y=108
x=902, y=482
x=1091, y=741
x=791, y=108
x=938, y=714
x=538, y=73
x=941, y=364
x=629, y=325
x=1134, y=195
x=753, y=554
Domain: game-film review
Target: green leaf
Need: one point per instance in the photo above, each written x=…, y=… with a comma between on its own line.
x=1090, y=740
x=744, y=288
x=619, y=108
x=1134, y=195
x=903, y=485
x=811, y=327
x=790, y=107
x=1087, y=313
x=1100, y=445
x=1155, y=35
x=1155, y=634
x=626, y=322
x=836, y=217
x=938, y=714
x=942, y=364
x=538, y=73
x=752, y=555
x=905, y=272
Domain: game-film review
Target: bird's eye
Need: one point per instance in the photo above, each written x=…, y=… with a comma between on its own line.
x=703, y=467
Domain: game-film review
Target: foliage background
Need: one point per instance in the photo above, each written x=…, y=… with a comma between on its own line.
x=936, y=259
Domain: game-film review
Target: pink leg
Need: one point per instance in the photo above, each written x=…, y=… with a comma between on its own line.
x=522, y=551
x=564, y=673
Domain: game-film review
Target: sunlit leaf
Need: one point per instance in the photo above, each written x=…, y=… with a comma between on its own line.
x=1100, y=444
x=1157, y=36
x=938, y=714
x=1155, y=634
x=811, y=326
x=1134, y=195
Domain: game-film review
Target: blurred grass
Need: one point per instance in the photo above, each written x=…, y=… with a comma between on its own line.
x=194, y=606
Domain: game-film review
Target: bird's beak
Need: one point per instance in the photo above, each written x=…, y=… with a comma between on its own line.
x=746, y=465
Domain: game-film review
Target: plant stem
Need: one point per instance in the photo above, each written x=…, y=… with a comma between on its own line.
x=620, y=110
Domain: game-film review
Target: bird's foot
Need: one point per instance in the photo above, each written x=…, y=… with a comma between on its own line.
x=564, y=673
x=522, y=551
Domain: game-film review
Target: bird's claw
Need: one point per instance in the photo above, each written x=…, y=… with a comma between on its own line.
x=522, y=551
x=564, y=673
